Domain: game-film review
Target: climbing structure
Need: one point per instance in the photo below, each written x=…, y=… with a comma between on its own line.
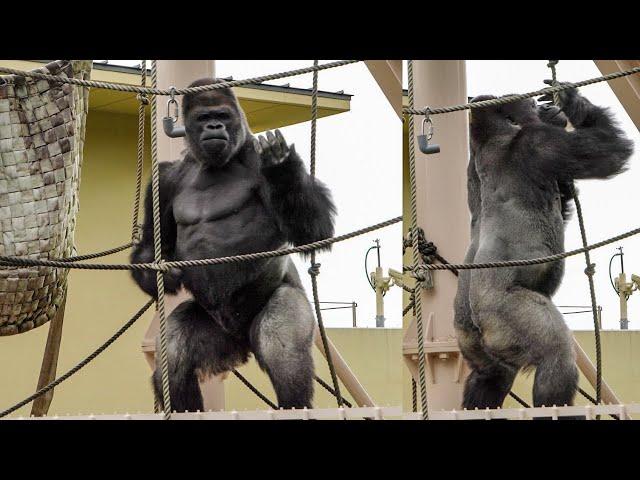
x=65, y=262
x=425, y=257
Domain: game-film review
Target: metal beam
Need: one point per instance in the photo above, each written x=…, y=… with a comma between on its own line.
x=443, y=213
x=388, y=74
x=627, y=89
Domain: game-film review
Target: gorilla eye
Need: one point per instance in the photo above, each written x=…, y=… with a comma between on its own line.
x=203, y=117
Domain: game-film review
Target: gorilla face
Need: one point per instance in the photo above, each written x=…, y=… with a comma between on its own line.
x=521, y=112
x=215, y=126
x=552, y=114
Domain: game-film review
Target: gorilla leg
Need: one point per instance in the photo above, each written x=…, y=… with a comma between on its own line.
x=487, y=388
x=527, y=330
x=196, y=343
x=281, y=339
x=556, y=380
x=489, y=382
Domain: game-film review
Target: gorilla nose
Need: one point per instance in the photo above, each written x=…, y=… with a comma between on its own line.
x=214, y=130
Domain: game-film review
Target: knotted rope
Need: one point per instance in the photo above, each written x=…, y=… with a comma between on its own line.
x=314, y=270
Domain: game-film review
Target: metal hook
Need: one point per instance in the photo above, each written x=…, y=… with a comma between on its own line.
x=427, y=120
x=172, y=100
x=423, y=140
x=169, y=122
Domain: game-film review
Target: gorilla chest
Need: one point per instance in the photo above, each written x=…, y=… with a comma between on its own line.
x=213, y=201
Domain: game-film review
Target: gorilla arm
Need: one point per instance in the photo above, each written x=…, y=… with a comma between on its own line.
x=303, y=205
x=597, y=148
x=143, y=252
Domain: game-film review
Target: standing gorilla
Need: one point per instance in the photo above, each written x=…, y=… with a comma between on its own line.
x=232, y=194
x=522, y=164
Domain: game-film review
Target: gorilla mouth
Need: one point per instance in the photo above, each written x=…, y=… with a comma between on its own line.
x=219, y=136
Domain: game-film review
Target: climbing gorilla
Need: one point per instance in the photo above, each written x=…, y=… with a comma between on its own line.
x=522, y=165
x=233, y=194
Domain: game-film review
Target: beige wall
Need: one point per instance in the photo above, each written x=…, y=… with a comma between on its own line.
x=101, y=301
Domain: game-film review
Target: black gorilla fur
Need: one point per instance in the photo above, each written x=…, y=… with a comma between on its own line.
x=522, y=165
x=232, y=194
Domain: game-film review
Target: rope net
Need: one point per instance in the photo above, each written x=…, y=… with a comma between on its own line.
x=419, y=271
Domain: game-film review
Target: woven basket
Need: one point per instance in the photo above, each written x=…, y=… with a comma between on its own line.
x=42, y=126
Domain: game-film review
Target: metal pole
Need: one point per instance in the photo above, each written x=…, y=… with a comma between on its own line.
x=353, y=314
x=180, y=73
x=441, y=180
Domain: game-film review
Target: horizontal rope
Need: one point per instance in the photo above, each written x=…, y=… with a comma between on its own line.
x=514, y=98
x=61, y=263
x=84, y=362
x=529, y=262
x=179, y=91
x=89, y=256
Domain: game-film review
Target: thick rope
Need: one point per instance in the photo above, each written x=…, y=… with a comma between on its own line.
x=89, y=256
x=266, y=400
x=157, y=248
x=61, y=263
x=409, y=307
x=590, y=268
x=554, y=80
x=522, y=263
x=514, y=98
x=414, y=395
x=80, y=365
x=328, y=388
x=181, y=91
x=254, y=389
x=589, y=272
x=143, y=101
x=314, y=269
x=417, y=304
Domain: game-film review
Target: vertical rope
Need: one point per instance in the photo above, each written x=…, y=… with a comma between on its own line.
x=590, y=269
x=417, y=304
x=135, y=227
x=414, y=396
x=314, y=270
x=157, y=246
x=554, y=80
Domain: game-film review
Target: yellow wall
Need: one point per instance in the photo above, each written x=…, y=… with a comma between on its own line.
x=100, y=302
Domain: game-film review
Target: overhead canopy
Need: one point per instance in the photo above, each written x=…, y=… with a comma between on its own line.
x=266, y=106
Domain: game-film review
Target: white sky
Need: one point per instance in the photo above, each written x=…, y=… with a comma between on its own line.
x=359, y=156
x=609, y=207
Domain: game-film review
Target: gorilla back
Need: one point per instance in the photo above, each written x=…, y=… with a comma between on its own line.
x=523, y=168
x=232, y=194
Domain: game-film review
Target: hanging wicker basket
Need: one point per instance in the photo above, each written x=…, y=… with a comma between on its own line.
x=42, y=127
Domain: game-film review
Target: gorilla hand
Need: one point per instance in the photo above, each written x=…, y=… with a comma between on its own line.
x=273, y=149
x=565, y=97
x=172, y=280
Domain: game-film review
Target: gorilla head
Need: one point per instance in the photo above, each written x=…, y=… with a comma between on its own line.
x=524, y=112
x=215, y=125
x=502, y=119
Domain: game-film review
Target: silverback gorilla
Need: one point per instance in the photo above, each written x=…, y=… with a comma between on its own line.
x=522, y=164
x=232, y=194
